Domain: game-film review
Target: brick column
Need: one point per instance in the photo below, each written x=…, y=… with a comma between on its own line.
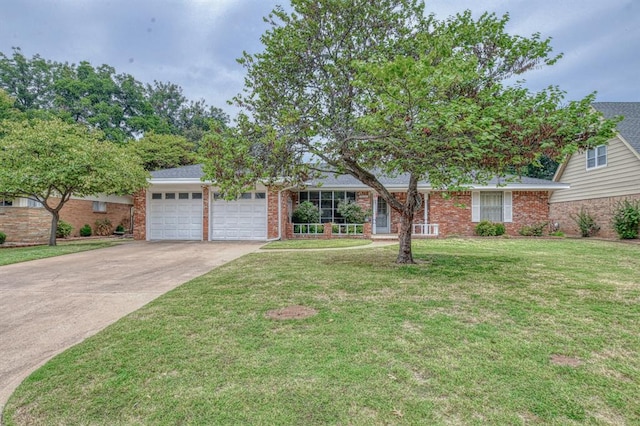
x=140, y=215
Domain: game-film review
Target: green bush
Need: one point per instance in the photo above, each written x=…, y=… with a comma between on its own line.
x=85, y=231
x=3, y=237
x=344, y=229
x=306, y=213
x=120, y=229
x=586, y=223
x=64, y=229
x=626, y=219
x=489, y=229
x=533, y=230
x=352, y=212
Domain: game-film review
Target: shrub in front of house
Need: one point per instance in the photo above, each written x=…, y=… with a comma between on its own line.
x=104, y=227
x=306, y=212
x=64, y=229
x=626, y=219
x=3, y=237
x=586, y=223
x=352, y=212
x=489, y=229
x=532, y=230
x=85, y=231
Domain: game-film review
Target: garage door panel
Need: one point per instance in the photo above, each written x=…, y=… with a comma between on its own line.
x=244, y=219
x=175, y=219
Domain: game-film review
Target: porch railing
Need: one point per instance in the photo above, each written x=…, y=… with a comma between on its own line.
x=347, y=229
x=308, y=228
x=427, y=229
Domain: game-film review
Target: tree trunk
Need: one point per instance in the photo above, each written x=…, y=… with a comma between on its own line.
x=405, y=256
x=55, y=217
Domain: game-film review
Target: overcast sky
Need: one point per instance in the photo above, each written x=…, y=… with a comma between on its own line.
x=195, y=43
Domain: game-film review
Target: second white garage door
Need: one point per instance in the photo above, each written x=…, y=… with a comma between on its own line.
x=242, y=219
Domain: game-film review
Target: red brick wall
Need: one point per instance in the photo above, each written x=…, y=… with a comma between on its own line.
x=601, y=209
x=80, y=212
x=205, y=213
x=25, y=225
x=140, y=215
x=454, y=214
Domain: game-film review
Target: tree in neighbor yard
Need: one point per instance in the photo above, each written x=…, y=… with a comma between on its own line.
x=379, y=88
x=50, y=160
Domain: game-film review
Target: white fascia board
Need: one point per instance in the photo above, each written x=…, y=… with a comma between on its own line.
x=521, y=186
x=187, y=181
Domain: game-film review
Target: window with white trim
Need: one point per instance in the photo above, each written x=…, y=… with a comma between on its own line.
x=34, y=204
x=100, y=206
x=327, y=202
x=494, y=206
x=597, y=157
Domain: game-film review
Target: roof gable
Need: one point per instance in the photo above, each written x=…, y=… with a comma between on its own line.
x=629, y=127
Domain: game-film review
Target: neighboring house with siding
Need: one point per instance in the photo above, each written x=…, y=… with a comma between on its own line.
x=26, y=221
x=599, y=178
x=179, y=205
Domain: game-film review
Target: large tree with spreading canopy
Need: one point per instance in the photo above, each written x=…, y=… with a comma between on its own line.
x=373, y=88
x=48, y=161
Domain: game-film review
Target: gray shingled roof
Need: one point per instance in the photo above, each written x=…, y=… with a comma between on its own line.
x=184, y=172
x=629, y=127
x=401, y=181
x=194, y=173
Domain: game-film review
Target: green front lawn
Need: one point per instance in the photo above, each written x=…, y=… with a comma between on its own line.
x=22, y=254
x=479, y=332
x=317, y=244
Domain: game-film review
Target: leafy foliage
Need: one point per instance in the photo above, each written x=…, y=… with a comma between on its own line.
x=85, y=231
x=104, y=227
x=63, y=229
x=536, y=230
x=162, y=151
x=626, y=219
x=306, y=212
x=50, y=160
x=381, y=89
x=352, y=212
x=487, y=228
x=586, y=223
x=3, y=237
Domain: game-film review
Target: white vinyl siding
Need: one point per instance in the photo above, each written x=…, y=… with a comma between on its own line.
x=494, y=206
x=619, y=178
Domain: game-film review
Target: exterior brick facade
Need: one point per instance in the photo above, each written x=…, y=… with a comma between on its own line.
x=25, y=225
x=140, y=215
x=602, y=210
x=33, y=225
x=80, y=212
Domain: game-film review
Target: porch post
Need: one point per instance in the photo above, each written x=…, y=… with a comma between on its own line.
x=374, y=216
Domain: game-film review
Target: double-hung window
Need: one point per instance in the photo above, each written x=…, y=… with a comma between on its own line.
x=597, y=157
x=494, y=206
x=100, y=206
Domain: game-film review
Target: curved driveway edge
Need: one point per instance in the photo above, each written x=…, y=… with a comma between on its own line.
x=48, y=305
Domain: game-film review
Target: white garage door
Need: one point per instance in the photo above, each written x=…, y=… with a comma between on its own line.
x=175, y=216
x=242, y=219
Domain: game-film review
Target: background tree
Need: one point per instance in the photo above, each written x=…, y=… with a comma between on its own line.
x=158, y=151
x=375, y=89
x=50, y=160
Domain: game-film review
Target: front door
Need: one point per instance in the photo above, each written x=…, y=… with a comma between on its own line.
x=382, y=217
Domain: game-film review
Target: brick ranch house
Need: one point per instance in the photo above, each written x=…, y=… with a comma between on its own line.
x=26, y=221
x=178, y=205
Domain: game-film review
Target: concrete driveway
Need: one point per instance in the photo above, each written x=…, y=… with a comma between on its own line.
x=51, y=304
